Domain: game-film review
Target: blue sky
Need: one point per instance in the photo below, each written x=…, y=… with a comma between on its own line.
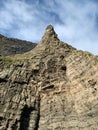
x=75, y=21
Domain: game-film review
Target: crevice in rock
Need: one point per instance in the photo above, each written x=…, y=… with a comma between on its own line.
x=61, y=57
x=63, y=68
x=35, y=72
x=25, y=117
x=20, y=82
x=3, y=80
x=48, y=87
x=38, y=115
x=1, y=118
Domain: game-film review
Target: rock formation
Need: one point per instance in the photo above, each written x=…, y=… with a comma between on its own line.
x=52, y=87
x=11, y=46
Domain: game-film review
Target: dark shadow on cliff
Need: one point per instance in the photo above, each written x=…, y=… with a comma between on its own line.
x=25, y=117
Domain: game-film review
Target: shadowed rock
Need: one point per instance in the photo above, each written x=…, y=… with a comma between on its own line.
x=11, y=46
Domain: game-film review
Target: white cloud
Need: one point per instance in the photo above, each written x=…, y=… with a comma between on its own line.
x=74, y=21
x=79, y=28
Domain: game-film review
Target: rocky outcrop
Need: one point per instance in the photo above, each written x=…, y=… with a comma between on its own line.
x=11, y=46
x=52, y=87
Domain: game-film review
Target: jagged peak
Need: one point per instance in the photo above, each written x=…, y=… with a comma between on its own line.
x=50, y=30
x=51, y=42
x=49, y=34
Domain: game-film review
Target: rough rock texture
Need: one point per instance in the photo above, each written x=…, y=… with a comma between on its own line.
x=11, y=46
x=52, y=87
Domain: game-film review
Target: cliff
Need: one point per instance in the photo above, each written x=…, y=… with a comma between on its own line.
x=52, y=87
x=11, y=46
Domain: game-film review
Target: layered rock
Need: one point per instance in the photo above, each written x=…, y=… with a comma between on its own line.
x=52, y=87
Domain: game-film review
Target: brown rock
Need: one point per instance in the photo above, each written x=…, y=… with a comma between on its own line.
x=52, y=87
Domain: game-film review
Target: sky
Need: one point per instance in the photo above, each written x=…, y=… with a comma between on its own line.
x=75, y=21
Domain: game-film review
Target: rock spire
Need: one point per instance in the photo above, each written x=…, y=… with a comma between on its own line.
x=50, y=34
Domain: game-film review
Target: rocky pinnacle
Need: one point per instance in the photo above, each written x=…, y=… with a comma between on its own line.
x=49, y=34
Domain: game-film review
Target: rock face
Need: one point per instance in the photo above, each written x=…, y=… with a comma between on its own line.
x=11, y=46
x=52, y=87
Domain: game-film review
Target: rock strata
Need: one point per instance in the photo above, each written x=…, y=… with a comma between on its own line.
x=52, y=87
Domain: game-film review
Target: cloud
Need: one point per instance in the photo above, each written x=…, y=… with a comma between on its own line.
x=75, y=22
x=80, y=25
